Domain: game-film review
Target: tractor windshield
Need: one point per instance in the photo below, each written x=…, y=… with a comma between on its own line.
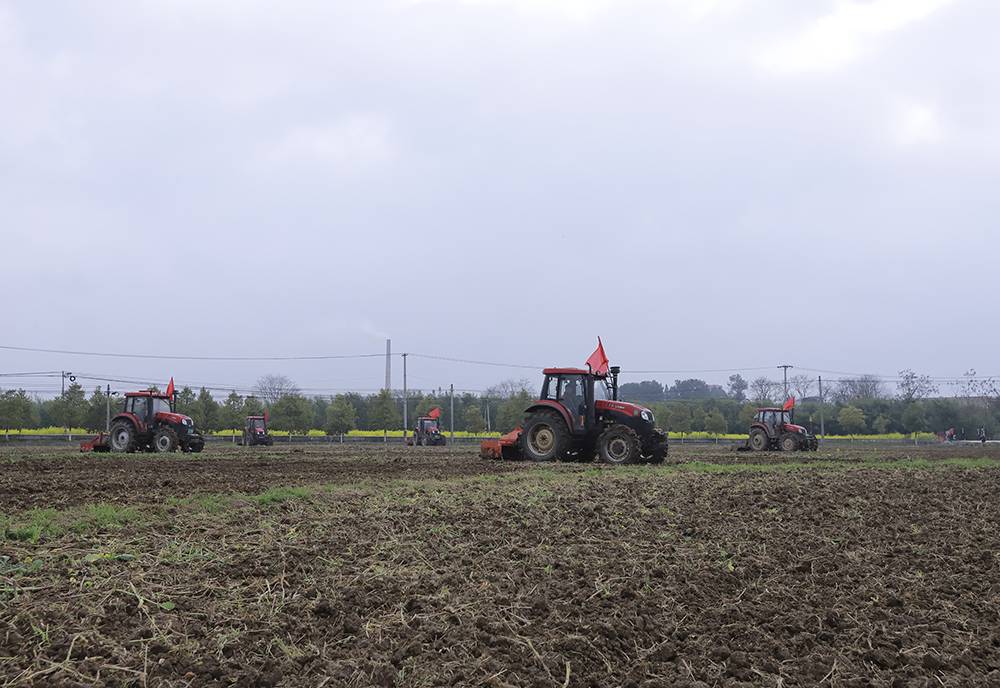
x=160, y=405
x=785, y=418
x=256, y=423
x=430, y=423
x=602, y=390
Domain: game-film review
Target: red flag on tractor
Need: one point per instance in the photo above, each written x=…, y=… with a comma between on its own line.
x=170, y=388
x=789, y=404
x=435, y=413
x=598, y=361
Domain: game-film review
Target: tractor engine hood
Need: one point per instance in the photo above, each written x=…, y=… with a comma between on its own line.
x=795, y=428
x=175, y=418
x=625, y=408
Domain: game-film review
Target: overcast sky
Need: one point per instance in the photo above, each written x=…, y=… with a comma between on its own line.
x=711, y=187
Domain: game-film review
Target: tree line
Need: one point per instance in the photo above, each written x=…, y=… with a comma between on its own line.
x=861, y=405
x=500, y=408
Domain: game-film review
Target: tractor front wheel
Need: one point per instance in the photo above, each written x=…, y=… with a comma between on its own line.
x=544, y=437
x=758, y=440
x=165, y=440
x=123, y=436
x=788, y=442
x=618, y=445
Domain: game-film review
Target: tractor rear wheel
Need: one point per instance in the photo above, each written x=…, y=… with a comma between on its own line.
x=618, y=445
x=544, y=437
x=758, y=440
x=123, y=436
x=165, y=440
x=788, y=442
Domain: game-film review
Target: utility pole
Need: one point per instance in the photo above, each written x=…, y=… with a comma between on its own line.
x=404, y=400
x=786, y=367
x=388, y=364
x=822, y=430
x=452, y=394
x=72, y=378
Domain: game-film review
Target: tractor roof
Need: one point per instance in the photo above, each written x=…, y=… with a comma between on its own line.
x=570, y=371
x=147, y=393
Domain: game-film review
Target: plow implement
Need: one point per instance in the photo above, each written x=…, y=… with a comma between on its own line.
x=505, y=448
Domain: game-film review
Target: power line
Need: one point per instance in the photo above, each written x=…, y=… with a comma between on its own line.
x=190, y=358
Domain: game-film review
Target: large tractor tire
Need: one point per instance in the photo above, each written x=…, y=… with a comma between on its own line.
x=165, y=440
x=124, y=437
x=545, y=436
x=758, y=440
x=618, y=444
x=788, y=442
x=195, y=444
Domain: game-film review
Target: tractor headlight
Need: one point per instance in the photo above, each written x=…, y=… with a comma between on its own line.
x=647, y=416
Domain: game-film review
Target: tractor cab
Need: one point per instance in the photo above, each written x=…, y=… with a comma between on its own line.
x=773, y=419
x=148, y=407
x=574, y=391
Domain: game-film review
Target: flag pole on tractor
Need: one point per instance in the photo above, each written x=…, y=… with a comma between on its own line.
x=170, y=393
x=598, y=361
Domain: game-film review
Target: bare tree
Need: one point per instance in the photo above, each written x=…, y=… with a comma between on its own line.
x=270, y=388
x=802, y=385
x=867, y=386
x=510, y=387
x=763, y=390
x=978, y=387
x=912, y=386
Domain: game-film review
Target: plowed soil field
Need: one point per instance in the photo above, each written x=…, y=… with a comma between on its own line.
x=363, y=565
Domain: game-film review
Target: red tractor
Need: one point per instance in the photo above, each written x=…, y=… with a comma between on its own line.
x=773, y=429
x=148, y=423
x=255, y=432
x=579, y=416
x=427, y=433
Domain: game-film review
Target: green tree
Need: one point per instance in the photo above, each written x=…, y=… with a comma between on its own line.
x=207, y=409
x=510, y=415
x=292, y=413
x=737, y=387
x=96, y=416
x=747, y=414
x=914, y=419
x=852, y=420
x=70, y=407
x=320, y=404
x=231, y=415
x=341, y=417
x=474, y=421
x=185, y=403
x=16, y=410
x=383, y=414
x=881, y=424
x=680, y=419
x=716, y=424
x=252, y=406
x=698, y=419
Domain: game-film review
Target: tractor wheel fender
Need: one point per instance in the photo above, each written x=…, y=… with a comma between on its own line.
x=545, y=436
x=550, y=406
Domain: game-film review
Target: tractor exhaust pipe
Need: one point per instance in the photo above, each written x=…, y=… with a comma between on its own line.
x=614, y=370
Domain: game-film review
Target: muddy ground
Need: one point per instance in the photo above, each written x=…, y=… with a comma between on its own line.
x=381, y=566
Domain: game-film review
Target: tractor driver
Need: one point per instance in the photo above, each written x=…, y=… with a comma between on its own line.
x=571, y=399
